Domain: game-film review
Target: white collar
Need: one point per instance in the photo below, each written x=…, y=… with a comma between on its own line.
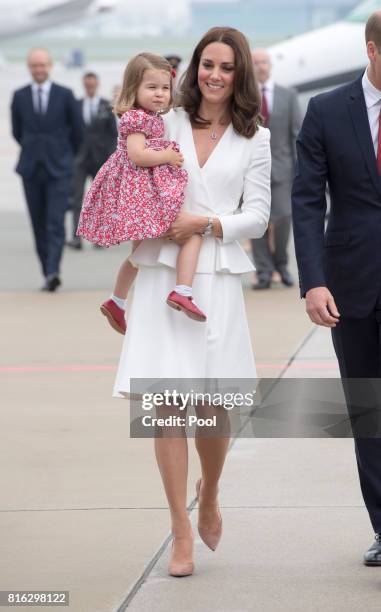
x=268, y=85
x=93, y=99
x=371, y=93
x=45, y=86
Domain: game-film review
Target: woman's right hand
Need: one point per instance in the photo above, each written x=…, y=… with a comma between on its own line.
x=174, y=158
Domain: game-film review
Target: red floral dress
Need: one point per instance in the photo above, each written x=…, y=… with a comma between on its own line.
x=129, y=202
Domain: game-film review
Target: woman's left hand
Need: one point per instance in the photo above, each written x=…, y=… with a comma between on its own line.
x=183, y=227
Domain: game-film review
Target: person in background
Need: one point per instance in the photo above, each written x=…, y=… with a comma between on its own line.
x=175, y=61
x=100, y=137
x=47, y=124
x=115, y=91
x=177, y=69
x=282, y=115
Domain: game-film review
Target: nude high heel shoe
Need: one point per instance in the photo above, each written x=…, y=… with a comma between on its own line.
x=180, y=568
x=209, y=535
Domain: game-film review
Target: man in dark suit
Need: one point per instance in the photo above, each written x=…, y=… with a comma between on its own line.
x=282, y=115
x=47, y=125
x=340, y=271
x=100, y=136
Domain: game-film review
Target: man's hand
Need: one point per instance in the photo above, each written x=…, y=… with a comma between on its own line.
x=321, y=307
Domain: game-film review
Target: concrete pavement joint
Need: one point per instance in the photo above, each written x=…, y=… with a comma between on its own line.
x=131, y=594
x=256, y=507
x=273, y=385
x=294, y=355
x=133, y=591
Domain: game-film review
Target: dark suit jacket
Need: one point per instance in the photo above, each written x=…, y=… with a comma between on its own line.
x=52, y=138
x=100, y=137
x=335, y=145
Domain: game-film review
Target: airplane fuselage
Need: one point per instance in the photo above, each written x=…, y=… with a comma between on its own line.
x=23, y=16
x=321, y=59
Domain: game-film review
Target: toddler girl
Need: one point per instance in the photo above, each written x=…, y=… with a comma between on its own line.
x=139, y=191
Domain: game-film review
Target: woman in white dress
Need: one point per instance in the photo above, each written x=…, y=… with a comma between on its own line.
x=227, y=155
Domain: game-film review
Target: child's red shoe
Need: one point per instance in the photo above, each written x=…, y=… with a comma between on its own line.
x=115, y=316
x=181, y=302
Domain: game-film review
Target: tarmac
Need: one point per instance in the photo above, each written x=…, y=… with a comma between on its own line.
x=82, y=507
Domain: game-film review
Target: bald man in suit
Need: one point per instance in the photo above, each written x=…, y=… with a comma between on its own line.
x=47, y=125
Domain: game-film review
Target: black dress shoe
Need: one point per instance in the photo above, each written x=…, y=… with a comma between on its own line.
x=373, y=555
x=51, y=283
x=287, y=279
x=263, y=283
x=76, y=243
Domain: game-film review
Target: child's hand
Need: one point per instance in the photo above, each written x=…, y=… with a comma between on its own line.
x=174, y=157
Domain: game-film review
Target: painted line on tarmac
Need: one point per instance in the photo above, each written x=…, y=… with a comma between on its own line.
x=59, y=368
x=302, y=365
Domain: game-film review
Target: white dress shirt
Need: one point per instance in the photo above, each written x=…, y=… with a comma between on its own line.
x=90, y=108
x=269, y=93
x=45, y=92
x=373, y=106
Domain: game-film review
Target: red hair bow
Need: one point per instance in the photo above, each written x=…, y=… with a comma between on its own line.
x=173, y=73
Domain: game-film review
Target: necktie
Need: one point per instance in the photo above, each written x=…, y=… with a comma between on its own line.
x=265, y=107
x=379, y=145
x=39, y=99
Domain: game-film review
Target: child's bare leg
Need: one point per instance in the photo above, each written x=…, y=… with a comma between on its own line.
x=187, y=260
x=126, y=276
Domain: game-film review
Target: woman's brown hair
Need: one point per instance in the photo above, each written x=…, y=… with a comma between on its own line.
x=133, y=76
x=246, y=100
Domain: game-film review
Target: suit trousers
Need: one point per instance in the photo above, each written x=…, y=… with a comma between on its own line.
x=82, y=171
x=266, y=261
x=47, y=201
x=357, y=344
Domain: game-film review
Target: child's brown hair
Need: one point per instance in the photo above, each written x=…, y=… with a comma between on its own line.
x=133, y=76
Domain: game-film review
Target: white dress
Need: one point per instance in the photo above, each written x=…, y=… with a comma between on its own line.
x=162, y=343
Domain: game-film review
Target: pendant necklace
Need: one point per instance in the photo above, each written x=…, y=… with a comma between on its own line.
x=213, y=133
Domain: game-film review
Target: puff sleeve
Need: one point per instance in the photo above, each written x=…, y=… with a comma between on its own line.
x=135, y=121
x=253, y=219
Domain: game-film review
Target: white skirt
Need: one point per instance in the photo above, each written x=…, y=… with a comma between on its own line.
x=163, y=343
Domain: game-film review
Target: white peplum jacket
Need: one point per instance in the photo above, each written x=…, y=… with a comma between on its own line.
x=238, y=166
x=163, y=344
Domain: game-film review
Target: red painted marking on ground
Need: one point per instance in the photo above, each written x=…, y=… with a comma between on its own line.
x=59, y=368
x=303, y=365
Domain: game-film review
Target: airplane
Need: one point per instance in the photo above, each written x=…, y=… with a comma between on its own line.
x=324, y=58
x=24, y=16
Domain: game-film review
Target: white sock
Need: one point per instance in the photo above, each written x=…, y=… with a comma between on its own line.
x=184, y=290
x=119, y=301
